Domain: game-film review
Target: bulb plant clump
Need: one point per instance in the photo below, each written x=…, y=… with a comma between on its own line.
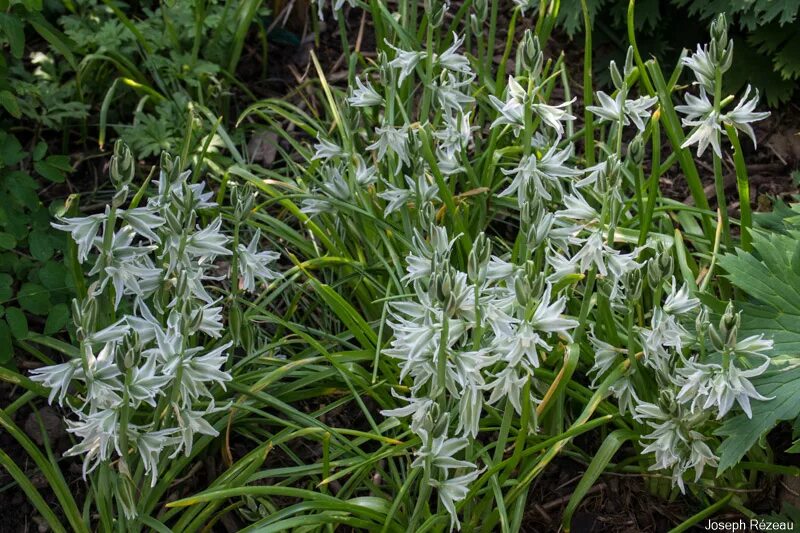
x=152, y=347
x=525, y=250
x=486, y=282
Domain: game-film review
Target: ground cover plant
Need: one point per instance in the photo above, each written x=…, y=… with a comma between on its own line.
x=456, y=273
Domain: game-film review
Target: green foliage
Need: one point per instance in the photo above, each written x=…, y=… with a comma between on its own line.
x=770, y=276
x=32, y=277
x=767, y=52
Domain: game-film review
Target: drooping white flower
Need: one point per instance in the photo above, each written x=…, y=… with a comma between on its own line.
x=83, y=230
x=364, y=96
x=678, y=301
x=254, y=264
x=620, y=109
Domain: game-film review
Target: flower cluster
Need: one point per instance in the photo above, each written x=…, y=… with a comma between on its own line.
x=150, y=332
x=704, y=115
x=474, y=331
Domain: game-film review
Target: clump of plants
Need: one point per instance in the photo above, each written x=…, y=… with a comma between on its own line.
x=478, y=276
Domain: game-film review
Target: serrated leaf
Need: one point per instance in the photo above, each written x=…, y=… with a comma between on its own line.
x=17, y=322
x=769, y=277
x=742, y=432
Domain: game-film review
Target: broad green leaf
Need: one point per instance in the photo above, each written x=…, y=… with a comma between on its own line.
x=771, y=277
x=14, y=32
x=10, y=103
x=6, y=292
x=53, y=275
x=783, y=386
x=49, y=171
x=7, y=241
x=34, y=298
x=40, y=245
x=56, y=319
x=17, y=322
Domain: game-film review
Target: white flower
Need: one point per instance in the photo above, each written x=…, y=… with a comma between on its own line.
x=57, y=378
x=679, y=302
x=191, y=423
x=99, y=434
x=439, y=451
x=83, y=230
x=452, y=60
x=143, y=220
x=396, y=139
x=540, y=175
x=325, y=149
x=454, y=490
x=710, y=385
x=208, y=242
x=619, y=109
x=743, y=114
x=145, y=384
x=150, y=445
x=404, y=60
x=253, y=264
x=364, y=96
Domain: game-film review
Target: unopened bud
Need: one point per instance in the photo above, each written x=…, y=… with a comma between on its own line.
x=636, y=150
x=529, y=55
x=122, y=166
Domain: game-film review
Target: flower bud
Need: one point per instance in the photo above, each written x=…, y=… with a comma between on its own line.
x=522, y=289
x=481, y=9
x=122, y=166
x=633, y=285
x=529, y=55
x=242, y=198
x=636, y=150
x=435, y=11
x=616, y=77
x=479, y=258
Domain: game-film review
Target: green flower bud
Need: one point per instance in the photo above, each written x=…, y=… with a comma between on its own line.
x=636, y=150
x=478, y=258
x=617, y=79
x=122, y=166
x=529, y=55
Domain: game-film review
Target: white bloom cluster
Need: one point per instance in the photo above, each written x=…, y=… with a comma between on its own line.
x=705, y=116
x=150, y=331
x=474, y=329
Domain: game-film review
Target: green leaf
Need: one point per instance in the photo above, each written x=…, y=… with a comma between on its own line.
x=7, y=241
x=57, y=319
x=772, y=279
x=49, y=171
x=10, y=103
x=14, y=32
x=34, y=298
x=53, y=275
x=39, y=151
x=40, y=245
x=6, y=346
x=17, y=322
x=783, y=386
x=770, y=276
x=5, y=287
